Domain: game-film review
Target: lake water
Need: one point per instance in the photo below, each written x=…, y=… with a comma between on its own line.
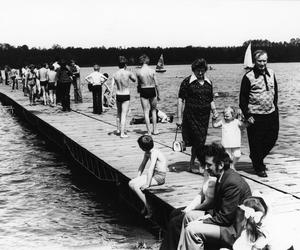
x=46, y=205
x=43, y=204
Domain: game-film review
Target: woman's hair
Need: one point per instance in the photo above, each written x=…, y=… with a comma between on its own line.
x=145, y=142
x=258, y=53
x=252, y=223
x=106, y=75
x=199, y=64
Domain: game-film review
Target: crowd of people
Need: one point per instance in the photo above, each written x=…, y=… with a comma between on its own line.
x=225, y=211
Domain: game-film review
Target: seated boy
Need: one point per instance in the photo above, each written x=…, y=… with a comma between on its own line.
x=156, y=173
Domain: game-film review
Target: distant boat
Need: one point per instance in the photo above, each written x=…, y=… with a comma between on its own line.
x=160, y=65
x=248, y=64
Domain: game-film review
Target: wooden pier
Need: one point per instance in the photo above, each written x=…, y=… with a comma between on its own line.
x=91, y=141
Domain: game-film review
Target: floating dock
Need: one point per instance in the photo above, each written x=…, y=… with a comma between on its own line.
x=91, y=141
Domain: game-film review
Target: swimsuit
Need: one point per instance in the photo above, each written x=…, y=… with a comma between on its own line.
x=159, y=176
x=43, y=83
x=148, y=93
x=123, y=98
x=51, y=86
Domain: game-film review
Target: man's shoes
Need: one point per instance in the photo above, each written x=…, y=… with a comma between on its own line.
x=262, y=173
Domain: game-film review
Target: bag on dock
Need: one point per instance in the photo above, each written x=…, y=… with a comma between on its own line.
x=178, y=146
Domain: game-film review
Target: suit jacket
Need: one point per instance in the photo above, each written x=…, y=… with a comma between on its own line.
x=230, y=192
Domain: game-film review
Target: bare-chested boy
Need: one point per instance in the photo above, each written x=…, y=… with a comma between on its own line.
x=147, y=87
x=122, y=79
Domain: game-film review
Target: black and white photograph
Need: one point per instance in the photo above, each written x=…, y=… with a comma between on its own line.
x=162, y=124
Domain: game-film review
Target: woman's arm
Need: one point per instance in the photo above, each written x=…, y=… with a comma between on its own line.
x=180, y=106
x=214, y=110
x=193, y=204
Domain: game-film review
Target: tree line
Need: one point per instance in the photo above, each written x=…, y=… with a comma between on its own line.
x=23, y=55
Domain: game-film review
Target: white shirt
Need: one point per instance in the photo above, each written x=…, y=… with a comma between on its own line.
x=96, y=78
x=231, y=134
x=56, y=66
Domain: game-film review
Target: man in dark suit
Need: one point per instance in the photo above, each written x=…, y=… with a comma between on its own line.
x=220, y=224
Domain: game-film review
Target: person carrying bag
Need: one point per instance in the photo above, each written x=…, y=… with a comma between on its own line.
x=178, y=145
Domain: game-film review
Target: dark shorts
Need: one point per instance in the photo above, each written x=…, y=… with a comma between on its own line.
x=122, y=98
x=43, y=83
x=148, y=93
x=51, y=86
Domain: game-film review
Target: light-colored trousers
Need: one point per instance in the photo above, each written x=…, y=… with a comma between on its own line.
x=195, y=233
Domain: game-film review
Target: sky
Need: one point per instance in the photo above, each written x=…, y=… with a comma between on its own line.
x=136, y=23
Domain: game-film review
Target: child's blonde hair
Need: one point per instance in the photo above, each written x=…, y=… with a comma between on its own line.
x=233, y=112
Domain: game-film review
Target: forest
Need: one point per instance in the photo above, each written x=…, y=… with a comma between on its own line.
x=23, y=55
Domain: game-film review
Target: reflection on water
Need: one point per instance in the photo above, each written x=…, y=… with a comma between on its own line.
x=44, y=205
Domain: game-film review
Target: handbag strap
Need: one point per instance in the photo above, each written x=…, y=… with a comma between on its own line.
x=176, y=132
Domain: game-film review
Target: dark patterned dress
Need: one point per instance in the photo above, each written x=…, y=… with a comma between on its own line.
x=196, y=112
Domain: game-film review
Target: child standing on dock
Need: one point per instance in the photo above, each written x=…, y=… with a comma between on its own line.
x=231, y=134
x=156, y=173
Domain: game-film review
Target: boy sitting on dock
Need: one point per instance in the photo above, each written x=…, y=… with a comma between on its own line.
x=156, y=173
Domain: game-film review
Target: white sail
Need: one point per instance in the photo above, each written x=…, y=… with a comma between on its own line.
x=248, y=57
x=160, y=63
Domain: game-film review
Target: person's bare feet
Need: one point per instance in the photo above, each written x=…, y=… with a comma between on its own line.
x=123, y=135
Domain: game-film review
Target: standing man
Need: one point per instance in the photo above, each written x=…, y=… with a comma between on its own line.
x=147, y=86
x=258, y=102
x=64, y=79
x=76, y=82
x=219, y=224
x=122, y=78
x=43, y=77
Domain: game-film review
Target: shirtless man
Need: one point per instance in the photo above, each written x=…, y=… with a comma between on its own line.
x=122, y=78
x=147, y=87
x=43, y=77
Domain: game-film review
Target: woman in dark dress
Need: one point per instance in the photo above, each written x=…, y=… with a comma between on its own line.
x=195, y=102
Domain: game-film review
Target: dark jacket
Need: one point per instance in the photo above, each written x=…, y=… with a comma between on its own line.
x=64, y=75
x=229, y=193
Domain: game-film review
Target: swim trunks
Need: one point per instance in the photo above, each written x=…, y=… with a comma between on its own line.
x=159, y=176
x=122, y=98
x=43, y=83
x=148, y=93
x=51, y=86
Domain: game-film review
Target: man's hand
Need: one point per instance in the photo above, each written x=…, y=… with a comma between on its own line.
x=251, y=120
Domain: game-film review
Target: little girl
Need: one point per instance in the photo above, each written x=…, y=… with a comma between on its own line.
x=253, y=236
x=156, y=173
x=231, y=134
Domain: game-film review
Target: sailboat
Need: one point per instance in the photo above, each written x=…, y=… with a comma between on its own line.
x=160, y=65
x=248, y=64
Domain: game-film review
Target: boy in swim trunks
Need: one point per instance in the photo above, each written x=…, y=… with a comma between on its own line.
x=156, y=173
x=122, y=79
x=147, y=86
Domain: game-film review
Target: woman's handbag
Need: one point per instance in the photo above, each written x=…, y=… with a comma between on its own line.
x=178, y=146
